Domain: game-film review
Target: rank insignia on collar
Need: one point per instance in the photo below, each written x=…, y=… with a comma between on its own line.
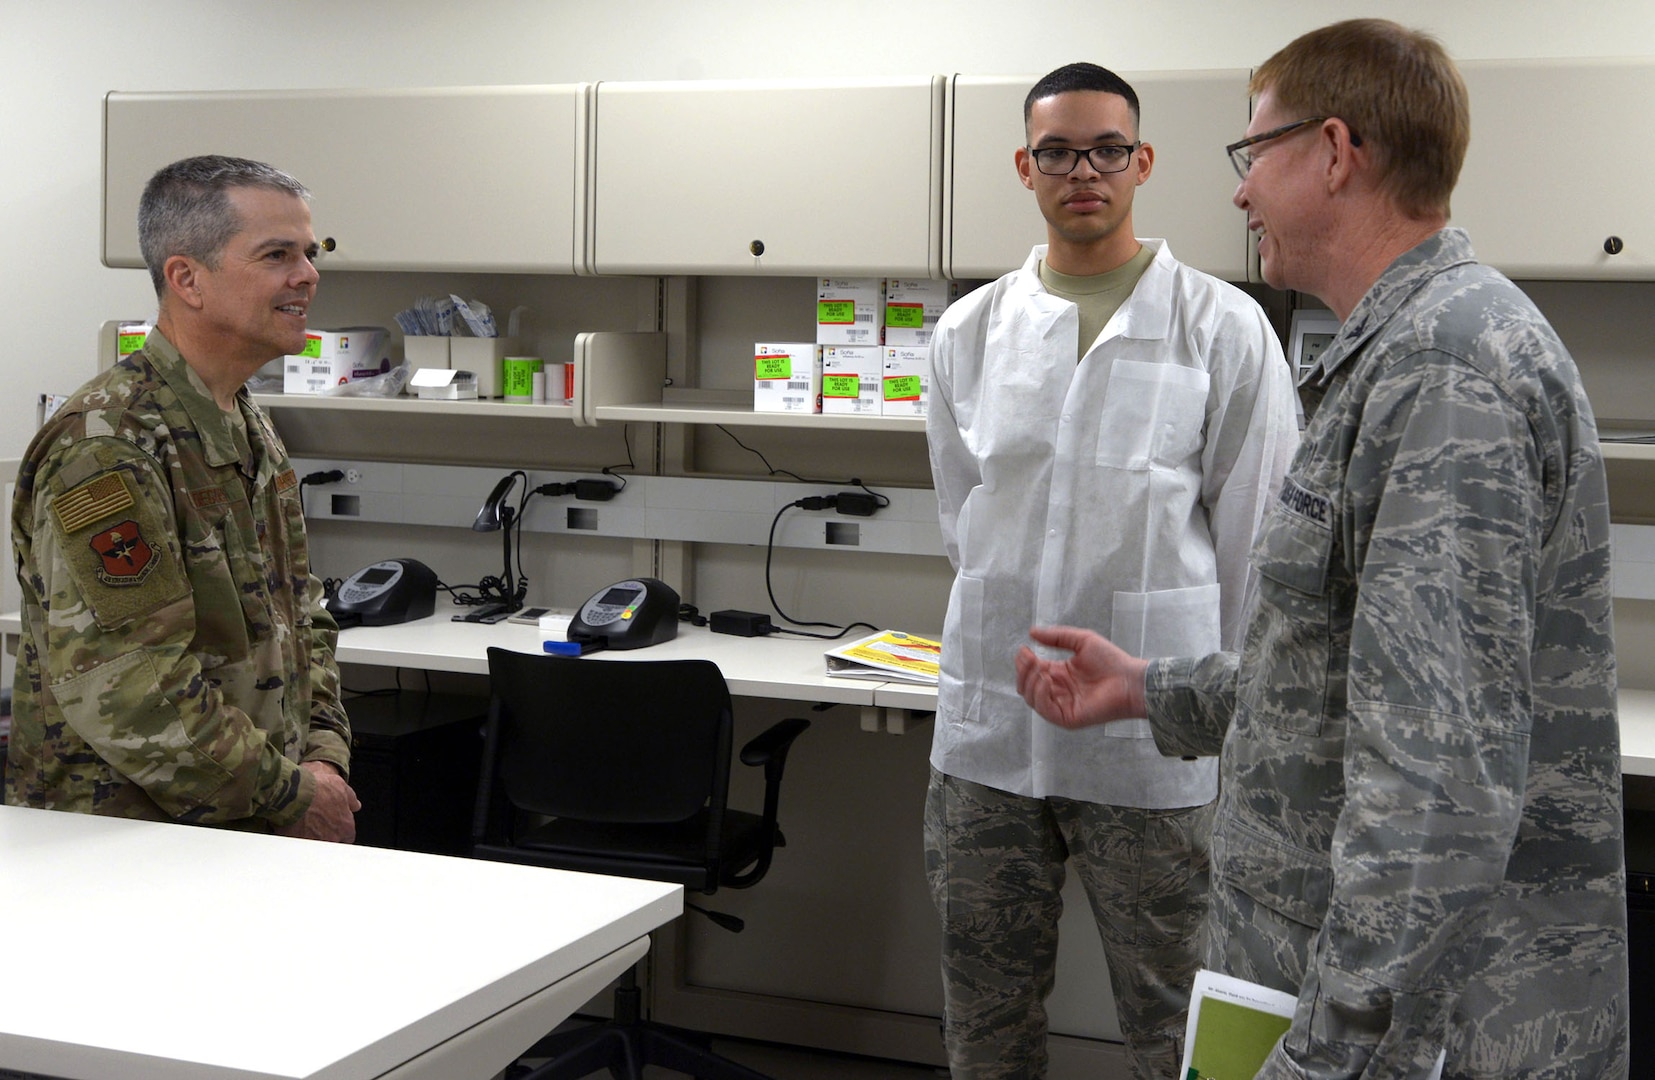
x=127, y=556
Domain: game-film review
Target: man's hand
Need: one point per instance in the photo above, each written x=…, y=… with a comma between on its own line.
x=329, y=816
x=1097, y=684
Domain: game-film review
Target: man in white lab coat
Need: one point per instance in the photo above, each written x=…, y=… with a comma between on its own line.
x=1119, y=493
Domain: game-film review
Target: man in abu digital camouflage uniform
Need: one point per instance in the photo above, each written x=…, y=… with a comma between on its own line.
x=176, y=662
x=1419, y=822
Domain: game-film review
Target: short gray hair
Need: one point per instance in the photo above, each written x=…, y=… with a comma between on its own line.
x=186, y=208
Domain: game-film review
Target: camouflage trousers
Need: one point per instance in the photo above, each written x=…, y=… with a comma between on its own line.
x=996, y=866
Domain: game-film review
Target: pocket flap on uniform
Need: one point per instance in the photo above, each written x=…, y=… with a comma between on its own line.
x=1296, y=542
x=1285, y=879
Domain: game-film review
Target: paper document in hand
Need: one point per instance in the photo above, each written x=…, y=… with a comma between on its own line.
x=889, y=654
x=1233, y=1025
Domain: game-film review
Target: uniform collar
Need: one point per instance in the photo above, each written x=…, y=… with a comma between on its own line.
x=212, y=425
x=1412, y=270
x=1146, y=314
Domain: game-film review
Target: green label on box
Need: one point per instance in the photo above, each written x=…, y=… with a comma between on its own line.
x=841, y=385
x=836, y=312
x=905, y=316
x=313, y=346
x=767, y=366
x=130, y=343
x=902, y=388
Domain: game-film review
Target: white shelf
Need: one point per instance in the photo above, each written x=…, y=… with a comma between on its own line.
x=497, y=409
x=1627, y=451
x=737, y=416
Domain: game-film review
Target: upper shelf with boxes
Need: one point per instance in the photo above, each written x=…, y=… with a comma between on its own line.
x=867, y=368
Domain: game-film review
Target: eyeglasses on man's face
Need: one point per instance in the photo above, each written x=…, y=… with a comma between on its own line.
x=1242, y=159
x=1061, y=160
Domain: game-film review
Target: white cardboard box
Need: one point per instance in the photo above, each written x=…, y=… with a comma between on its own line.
x=482, y=357
x=850, y=379
x=912, y=306
x=849, y=310
x=426, y=351
x=335, y=357
x=905, y=382
x=787, y=377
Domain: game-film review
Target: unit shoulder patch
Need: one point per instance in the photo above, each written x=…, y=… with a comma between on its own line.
x=127, y=556
x=115, y=539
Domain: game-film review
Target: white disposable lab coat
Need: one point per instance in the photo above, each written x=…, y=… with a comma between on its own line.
x=1120, y=494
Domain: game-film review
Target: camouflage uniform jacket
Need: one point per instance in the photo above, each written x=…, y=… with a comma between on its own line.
x=1419, y=820
x=175, y=661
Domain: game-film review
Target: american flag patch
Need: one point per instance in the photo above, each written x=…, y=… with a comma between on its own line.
x=91, y=502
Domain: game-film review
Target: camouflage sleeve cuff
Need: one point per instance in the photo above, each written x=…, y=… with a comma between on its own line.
x=328, y=746
x=297, y=791
x=1189, y=701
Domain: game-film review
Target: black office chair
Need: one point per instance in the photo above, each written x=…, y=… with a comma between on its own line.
x=623, y=767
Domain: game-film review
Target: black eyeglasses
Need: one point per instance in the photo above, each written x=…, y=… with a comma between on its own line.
x=1243, y=161
x=1061, y=160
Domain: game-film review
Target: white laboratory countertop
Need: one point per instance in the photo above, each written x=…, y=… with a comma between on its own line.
x=153, y=951
x=778, y=666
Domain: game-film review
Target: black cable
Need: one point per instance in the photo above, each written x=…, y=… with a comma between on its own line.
x=883, y=500
x=813, y=502
x=321, y=476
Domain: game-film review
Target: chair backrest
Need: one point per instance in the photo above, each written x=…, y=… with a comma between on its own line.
x=636, y=741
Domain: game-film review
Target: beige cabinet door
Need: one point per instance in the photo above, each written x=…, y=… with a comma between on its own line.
x=1558, y=180
x=459, y=178
x=991, y=220
x=768, y=177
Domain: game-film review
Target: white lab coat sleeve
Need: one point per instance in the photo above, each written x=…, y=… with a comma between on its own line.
x=954, y=470
x=1252, y=434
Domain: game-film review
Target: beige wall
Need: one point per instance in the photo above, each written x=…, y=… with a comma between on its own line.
x=58, y=60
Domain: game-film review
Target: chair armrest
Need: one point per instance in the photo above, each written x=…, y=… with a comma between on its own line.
x=769, y=748
x=773, y=743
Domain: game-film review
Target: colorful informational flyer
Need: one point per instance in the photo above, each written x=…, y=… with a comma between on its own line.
x=889, y=656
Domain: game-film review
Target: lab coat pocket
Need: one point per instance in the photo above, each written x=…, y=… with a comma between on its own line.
x=1153, y=415
x=1167, y=622
x=965, y=648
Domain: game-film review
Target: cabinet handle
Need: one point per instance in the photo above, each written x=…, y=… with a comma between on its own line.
x=756, y=247
x=328, y=244
x=1613, y=245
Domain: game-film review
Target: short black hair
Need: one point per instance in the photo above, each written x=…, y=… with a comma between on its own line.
x=1082, y=76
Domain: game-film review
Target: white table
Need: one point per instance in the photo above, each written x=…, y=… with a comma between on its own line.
x=148, y=951
x=778, y=666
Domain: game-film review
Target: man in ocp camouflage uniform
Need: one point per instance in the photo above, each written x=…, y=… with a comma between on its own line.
x=1419, y=822
x=176, y=662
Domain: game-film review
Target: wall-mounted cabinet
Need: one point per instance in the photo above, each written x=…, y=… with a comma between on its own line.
x=462, y=178
x=1556, y=183
x=763, y=177
x=991, y=220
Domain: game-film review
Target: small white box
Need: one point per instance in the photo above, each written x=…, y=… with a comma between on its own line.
x=849, y=310
x=482, y=356
x=335, y=357
x=787, y=377
x=905, y=382
x=443, y=384
x=912, y=306
x=850, y=379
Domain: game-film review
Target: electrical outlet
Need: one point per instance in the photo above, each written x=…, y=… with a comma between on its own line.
x=352, y=476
